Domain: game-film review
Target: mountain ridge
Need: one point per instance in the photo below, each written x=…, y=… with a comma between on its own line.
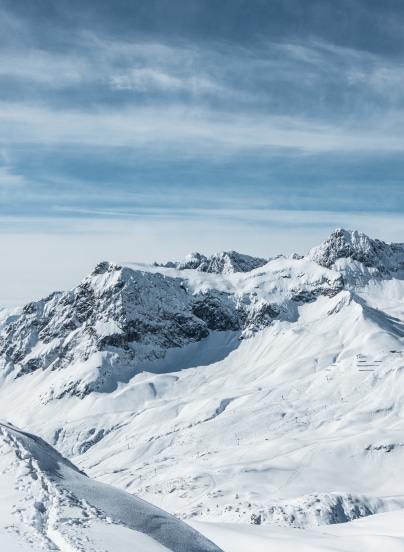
x=124, y=317
x=224, y=262
x=117, y=317
x=270, y=396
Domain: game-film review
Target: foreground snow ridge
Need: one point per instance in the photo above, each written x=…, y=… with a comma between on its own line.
x=60, y=508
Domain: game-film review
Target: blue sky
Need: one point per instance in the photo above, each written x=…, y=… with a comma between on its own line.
x=134, y=130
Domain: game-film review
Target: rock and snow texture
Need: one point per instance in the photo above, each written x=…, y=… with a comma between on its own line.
x=225, y=262
x=271, y=397
x=117, y=318
x=344, y=244
x=60, y=508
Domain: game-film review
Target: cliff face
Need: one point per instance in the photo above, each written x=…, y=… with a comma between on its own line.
x=100, y=332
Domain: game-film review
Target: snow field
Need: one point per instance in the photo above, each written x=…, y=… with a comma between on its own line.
x=285, y=432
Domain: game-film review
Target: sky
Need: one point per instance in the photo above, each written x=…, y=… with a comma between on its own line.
x=135, y=130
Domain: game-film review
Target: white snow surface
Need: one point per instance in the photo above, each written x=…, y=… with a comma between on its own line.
x=372, y=534
x=282, y=430
x=49, y=504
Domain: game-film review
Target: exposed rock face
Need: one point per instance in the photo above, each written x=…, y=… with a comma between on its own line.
x=117, y=318
x=129, y=316
x=194, y=261
x=318, y=509
x=225, y=262
x=359, y=247
x=113, y=310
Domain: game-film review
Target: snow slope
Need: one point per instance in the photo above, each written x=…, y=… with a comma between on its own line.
x=49, y=504
x=267, y=397
x=379, y=532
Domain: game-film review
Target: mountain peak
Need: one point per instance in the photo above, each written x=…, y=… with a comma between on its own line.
x=354, y=245
x=224, y=262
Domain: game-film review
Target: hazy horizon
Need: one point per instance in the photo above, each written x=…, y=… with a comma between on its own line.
x=144, y=131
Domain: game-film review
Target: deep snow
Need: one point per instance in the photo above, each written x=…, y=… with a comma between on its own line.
x=60, y=508
x=292, y=419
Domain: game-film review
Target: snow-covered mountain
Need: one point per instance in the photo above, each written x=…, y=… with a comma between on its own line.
x=355, y=246
x=225, y=262
x=227, y=388
x=117, y=318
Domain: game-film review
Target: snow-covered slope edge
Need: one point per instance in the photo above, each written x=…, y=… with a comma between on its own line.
x=60, y=508
x=379, y=532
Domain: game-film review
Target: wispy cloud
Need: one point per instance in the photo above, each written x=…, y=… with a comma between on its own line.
x=266, y=75
x=213, y=100
x=170, y=137
x=196, y=132
x=362, y=73
x=12, y=184
x=44, y=68
x=256, y=216
x=147, y=80
x=10, y=180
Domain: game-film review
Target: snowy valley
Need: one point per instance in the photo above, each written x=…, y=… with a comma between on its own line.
x=258, y=401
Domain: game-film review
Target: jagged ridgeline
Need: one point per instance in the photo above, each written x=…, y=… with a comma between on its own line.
x=118, y=318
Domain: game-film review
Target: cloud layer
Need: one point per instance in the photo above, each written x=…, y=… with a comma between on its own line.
x=165, y=112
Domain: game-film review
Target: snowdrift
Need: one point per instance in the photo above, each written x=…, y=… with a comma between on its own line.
x=59, y=507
